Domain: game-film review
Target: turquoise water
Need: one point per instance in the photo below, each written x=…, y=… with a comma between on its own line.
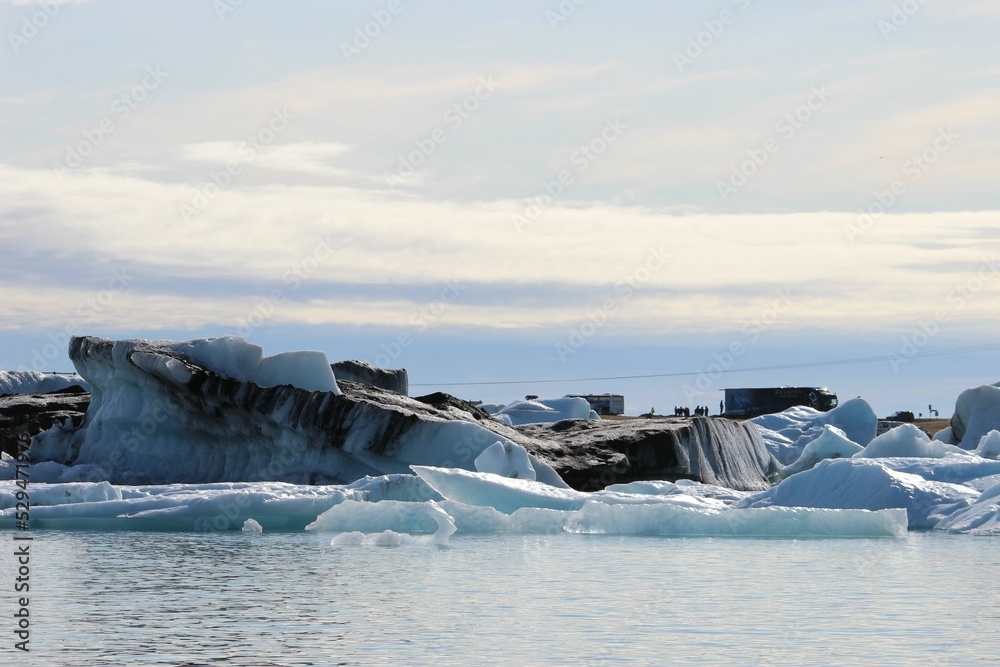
x=291, y=599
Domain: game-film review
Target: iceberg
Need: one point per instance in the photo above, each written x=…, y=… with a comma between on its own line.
x=800, y=425
x=989, y=445
x=505, y=459
x=866, y=484
x=981, y=518
x=36, y=382
x=251, y=527
x=831, y=444
x=361, y=522
x=508, y=495
x=977, y=412
x=906, y=440
x=196, y=507
x=218, y=410
x=545, y=410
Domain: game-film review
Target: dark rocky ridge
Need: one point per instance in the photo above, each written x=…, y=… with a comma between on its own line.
x=395, y=380
x=594, y=454
x=23, y=416
x=366, y=430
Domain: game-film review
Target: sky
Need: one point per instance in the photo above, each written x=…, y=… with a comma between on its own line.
x=513, y=198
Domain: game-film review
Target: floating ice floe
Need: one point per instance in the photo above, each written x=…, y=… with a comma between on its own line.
x=250, y=526
x=981, y=518
x=36, y=382
x=602, y=518
x=867, y=484
x=201, y=507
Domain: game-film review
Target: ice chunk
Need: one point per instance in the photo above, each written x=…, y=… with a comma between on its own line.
x=866, y=484
x=671, y=520
x=251, y=526
x=307, y=370
x=977, y=412
x=48, y=495
x=801, y=425
x=944, y=435
x=361, y=521
x=502, y=493
x=989, y=445
x=506, y=459
x=650, y=487
x=229, y=356
x=404, y=518
x=219, y=506
x=906, y=440
x=36, y=382
x=546, y=410
x=168, y=368
x=831, y=444
x=509, y=495
x=982, y=518
x=955, y=469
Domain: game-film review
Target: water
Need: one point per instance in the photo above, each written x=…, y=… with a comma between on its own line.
x=292, y=599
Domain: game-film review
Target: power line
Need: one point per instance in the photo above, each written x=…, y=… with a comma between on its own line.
x=809, y=364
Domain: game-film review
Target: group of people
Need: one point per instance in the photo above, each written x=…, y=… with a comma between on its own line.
x=699, y=411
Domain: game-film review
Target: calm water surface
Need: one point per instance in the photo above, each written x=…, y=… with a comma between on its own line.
x=292, y=599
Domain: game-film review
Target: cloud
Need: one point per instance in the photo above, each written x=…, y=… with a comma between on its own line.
x=302, y=157
x=348, y=255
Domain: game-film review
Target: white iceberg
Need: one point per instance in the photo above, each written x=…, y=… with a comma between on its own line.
x=989, y=445
x=906, y=440
x=831, y=444
x=981, y=518
x=545, y=410
x=866, y=484
x=977, y=412
x=800, y=425
x=36, y=382
x=507, y=460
